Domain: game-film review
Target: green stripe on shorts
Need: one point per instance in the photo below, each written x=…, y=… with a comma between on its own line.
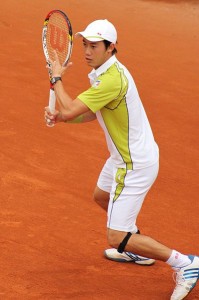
x=119, y=179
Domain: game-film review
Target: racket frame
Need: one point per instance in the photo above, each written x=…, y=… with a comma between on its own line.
x=52, y=98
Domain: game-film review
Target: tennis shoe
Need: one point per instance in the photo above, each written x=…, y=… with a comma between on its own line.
x=114, y=255
x=186, y=279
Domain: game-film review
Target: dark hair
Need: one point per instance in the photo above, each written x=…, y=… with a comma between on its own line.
x=107, y=44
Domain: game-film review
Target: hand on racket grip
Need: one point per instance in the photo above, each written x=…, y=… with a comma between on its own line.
x=50, y=117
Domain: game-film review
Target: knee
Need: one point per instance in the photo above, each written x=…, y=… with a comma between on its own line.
x=101, y=198
x=96, y=195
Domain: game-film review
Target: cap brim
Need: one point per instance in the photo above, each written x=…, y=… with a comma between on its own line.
x=89, y=37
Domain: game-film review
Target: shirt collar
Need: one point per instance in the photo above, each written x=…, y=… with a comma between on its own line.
x=103, y=68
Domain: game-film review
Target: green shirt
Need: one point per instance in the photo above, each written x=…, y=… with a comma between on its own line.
x=114, y=98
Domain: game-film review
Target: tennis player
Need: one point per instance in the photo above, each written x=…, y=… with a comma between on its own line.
x=132, y=167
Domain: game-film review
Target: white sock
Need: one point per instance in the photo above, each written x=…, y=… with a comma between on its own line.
x=178, y=260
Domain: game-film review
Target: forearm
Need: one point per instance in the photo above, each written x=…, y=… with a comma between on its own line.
x=64, y=101
x=86, y=117
x=69, y=109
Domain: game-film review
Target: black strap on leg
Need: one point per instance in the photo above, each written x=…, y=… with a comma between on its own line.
x=122, y=245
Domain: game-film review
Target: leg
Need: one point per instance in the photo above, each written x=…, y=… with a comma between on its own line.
x=101, y=198
x=185, y=267
x=129, y=189
x=140, y=244
x=103, y=188
x=126, y=198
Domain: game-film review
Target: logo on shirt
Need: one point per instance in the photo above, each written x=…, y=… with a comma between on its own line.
x=96, y=83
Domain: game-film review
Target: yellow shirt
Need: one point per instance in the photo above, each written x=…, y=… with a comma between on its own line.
x=114, y=98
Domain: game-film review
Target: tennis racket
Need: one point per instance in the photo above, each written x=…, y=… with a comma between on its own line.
x=56, y=35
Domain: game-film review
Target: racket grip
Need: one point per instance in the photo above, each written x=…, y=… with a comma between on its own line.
x=51, y=105
x=52, y=101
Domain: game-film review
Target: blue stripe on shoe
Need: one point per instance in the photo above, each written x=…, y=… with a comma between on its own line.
x=191, y=273
x=135, y=257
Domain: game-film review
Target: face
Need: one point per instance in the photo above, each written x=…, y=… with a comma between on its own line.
x=96, y=53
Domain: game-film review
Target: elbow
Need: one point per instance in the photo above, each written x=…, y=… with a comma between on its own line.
x=67, y=115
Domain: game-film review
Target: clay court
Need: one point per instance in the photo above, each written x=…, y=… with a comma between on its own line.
x=52, y=234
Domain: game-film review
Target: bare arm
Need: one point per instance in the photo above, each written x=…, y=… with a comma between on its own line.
x=68, y=107
x=69, y=110
x=86, y=117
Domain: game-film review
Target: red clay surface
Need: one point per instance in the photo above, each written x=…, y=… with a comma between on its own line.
x=52, y=234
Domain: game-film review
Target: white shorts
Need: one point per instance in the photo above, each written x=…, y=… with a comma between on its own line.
x=127, y=189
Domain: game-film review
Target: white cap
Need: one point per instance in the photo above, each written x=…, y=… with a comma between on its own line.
x=99, y=30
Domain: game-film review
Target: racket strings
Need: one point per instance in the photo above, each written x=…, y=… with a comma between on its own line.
x=58, y=37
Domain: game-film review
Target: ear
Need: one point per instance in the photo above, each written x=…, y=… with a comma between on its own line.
x=111, y=47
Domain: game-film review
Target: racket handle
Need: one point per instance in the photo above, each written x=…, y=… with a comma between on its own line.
x=52, y=101
x=51, y=104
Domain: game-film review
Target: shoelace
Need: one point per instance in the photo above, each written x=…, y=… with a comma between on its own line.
x=178, y=278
